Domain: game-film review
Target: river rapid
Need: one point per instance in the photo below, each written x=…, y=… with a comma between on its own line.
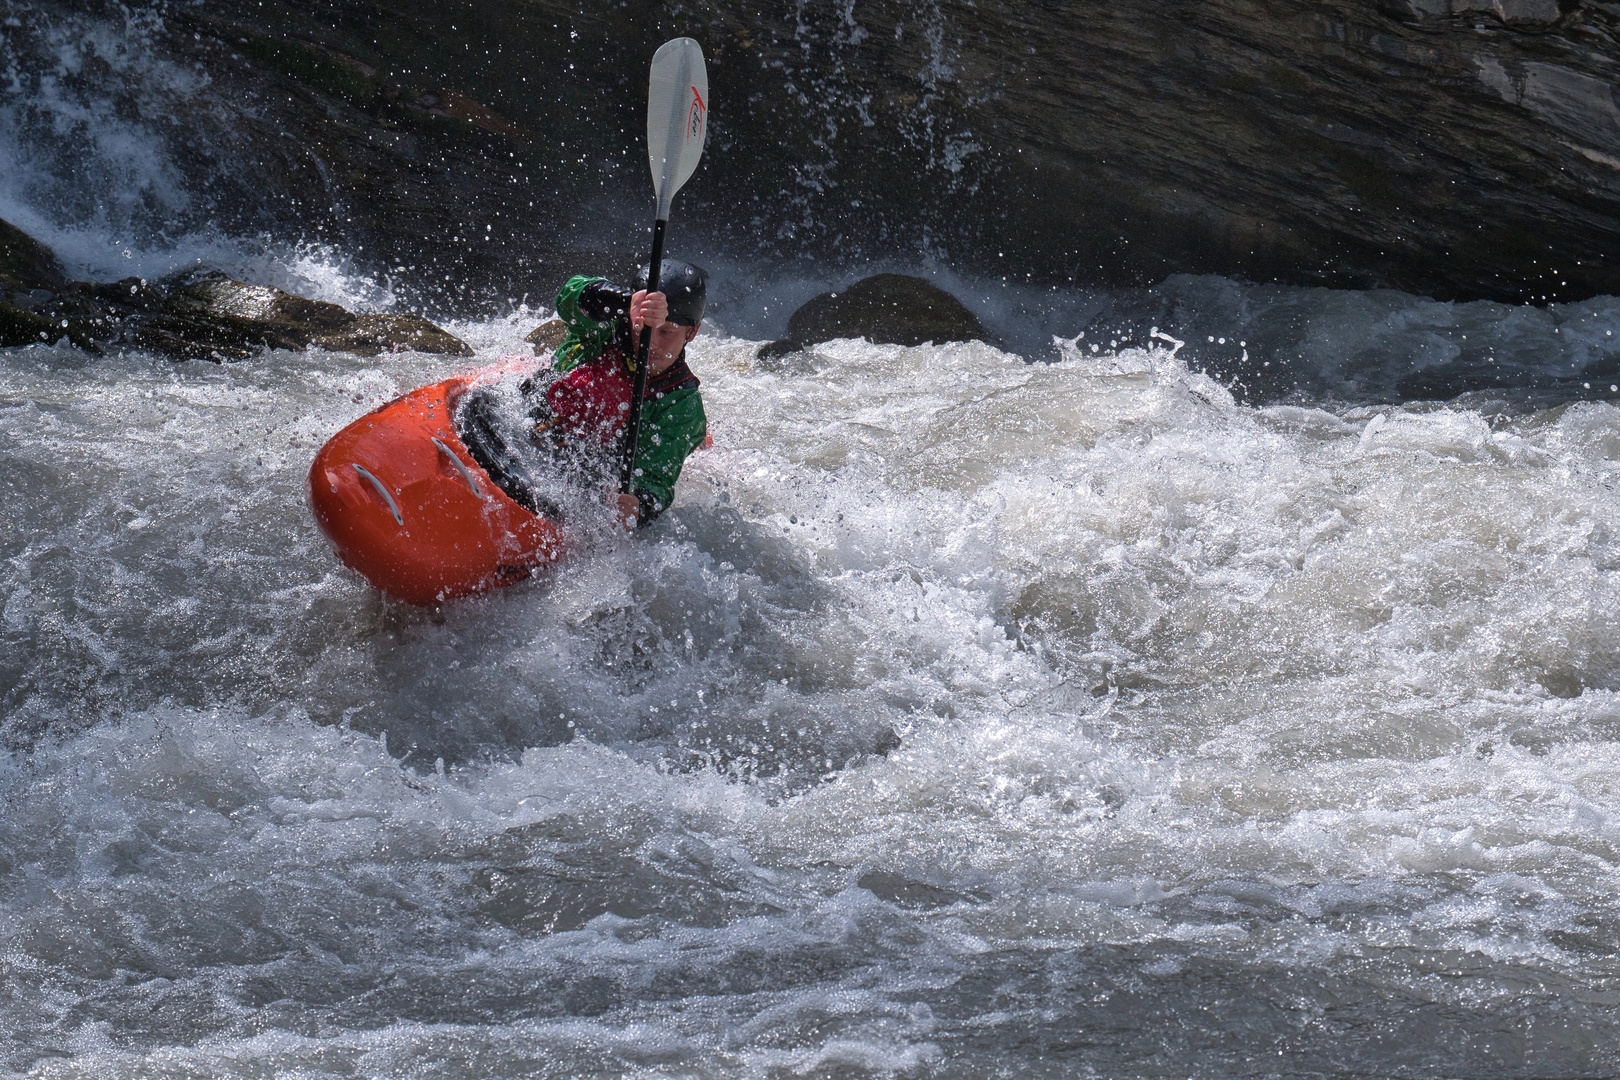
x=966, y=716
x=1046, y=708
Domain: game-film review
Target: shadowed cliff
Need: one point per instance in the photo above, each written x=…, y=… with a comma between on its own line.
x=1457, y=148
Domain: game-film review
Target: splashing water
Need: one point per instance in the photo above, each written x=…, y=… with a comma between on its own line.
x=121, y=160
x=963, y=717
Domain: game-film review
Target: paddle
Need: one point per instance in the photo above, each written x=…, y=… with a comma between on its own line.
x=677, y=121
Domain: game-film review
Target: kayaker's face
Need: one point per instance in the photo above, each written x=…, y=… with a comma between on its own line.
x=668, y=340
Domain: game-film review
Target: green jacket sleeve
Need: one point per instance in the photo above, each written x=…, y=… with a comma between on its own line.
x=587, y=337
x=672, y=427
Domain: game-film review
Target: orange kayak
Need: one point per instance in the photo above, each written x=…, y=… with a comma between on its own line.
x=405, y=503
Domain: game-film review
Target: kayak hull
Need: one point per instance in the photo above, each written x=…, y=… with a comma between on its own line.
x=405, y=504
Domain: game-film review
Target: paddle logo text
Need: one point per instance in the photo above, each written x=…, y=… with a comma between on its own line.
x=694, y=116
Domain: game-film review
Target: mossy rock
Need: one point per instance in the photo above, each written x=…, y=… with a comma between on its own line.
x=19, y=326
x=225, y=320
x=25, y=263
x=892, y=309
x=547, y=336
x=369, y=335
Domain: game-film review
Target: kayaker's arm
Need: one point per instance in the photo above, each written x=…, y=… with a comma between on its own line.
x=674, y=426
x=603, y=301
x=587, y=302
x=594, y=310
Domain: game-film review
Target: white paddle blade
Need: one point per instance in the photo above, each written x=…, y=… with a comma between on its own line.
x=677, y=117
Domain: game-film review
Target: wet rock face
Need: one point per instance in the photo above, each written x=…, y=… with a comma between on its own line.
x=214, y=319
x=1456, y=148
x=39, y=304
x=1459, y=148
x=892, y=309
x=29, y=279
x=222, y=319
x=26, y=265
x=84, y=312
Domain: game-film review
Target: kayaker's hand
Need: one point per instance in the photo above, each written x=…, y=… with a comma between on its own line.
x=628, y=510
x=648, y=309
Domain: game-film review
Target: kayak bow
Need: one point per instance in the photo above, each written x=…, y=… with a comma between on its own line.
x=406, y=505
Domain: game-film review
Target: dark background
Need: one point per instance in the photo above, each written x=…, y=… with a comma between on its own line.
x=1461, y=149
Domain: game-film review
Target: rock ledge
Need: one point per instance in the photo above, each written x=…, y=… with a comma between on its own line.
x=212, y=319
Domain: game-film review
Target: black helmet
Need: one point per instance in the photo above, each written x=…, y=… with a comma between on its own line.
x=685, y=285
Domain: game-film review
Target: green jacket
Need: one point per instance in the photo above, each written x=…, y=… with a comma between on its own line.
x=672, y=423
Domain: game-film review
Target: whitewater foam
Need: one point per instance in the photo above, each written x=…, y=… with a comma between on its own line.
x=960, y=706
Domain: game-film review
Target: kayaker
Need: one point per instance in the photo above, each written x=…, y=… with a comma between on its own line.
x=586, y=404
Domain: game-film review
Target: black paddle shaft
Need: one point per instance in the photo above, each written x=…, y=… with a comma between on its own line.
x=632, y=426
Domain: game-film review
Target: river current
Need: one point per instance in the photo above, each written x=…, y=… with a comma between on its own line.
x=1046, y=708
x=964, y=717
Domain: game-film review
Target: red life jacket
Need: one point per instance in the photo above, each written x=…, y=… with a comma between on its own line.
x=592, y=402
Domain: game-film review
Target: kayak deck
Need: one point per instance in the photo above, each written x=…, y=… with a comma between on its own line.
x=406, y=505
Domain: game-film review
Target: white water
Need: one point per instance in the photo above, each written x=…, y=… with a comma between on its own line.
x=964, y=717
x=1231, y=741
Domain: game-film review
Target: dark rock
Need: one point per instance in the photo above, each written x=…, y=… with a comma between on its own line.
x=222, y=319
x=78, y=303
x=892, y=309
x=390, y=141
x=369, y=335
x=42, y=316
x=21, y=326
x=547, y=336
x=26, y=265
x=38, y=303
x=212, y=318
x=130, y=294
x=1458, y=148
x=1454, y=148
x=776, y=355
